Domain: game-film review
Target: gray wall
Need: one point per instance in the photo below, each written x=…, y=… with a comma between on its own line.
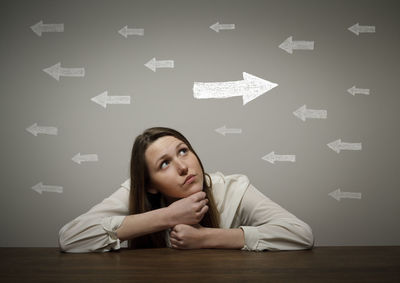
x=179, y=31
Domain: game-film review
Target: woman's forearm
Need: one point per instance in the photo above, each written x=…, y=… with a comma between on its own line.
x=137, y=225
x=223, y=238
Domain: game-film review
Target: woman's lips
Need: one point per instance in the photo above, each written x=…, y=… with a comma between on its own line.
x=190, y=179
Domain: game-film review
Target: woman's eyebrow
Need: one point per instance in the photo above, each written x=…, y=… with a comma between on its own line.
x=165, y=155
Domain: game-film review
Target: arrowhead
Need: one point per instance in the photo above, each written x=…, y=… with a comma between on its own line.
x=38, y=188
x=256, y=87
x=124, y=31
x=335, y=194
x=352, y=90
x=355, y=29
x=151, y=64
x=287, y=45
x=54, y=71
x=77, y=158
x=215, y=27
x=270, y=157
x=33, y=129
x=221, y=130
x=335, y=145
x=37, y=28
x=301, y=113
x=101, y=99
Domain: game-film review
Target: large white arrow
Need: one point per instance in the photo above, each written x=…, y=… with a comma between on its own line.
x=103, y=99
x=125, y=31
x=42, y=188
x=56, y=71
x=357, y=29
x=35, y=130
x=303, y=113
x=339, y=195
x=153, y=64
x=40, y=27
x=249, y=88
x=289, y=45
x=272, y=157
x=353, y=91
x=217, y=26
x=338, y=145
x=85, y=158
x=224, y=130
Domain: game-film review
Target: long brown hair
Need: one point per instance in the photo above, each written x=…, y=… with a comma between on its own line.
x=141, y=201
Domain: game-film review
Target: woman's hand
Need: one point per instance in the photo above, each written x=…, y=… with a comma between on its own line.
x=189, y=210
x=184, y=236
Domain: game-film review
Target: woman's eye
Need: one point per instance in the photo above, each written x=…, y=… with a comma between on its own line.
x=163, y=164
x=183, y=151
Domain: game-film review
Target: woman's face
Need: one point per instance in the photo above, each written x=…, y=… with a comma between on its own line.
x=174, y=170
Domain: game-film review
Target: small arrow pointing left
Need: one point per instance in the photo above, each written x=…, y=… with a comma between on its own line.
x=338, y=195
x=289, y=45
x=224, y=130
x=43, y=188
x=56, y=71
x=35, y=130
x=85, y=158
x=272, y=157
x=125, y=31
x=153, y=64
x=217, y=27
x=103, y=99
x=41, y=27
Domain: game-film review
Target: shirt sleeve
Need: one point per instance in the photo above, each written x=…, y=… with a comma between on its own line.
x=268, y=226
x=95, y=230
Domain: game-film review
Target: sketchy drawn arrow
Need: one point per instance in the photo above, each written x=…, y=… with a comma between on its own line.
x=153, y=64
x=357, y=29
x=39, y=28
x=85, y=158
x=56, y=71
x=353, y=91
x=272, y=157
x=303, y=113
x=224, y=130
x=125, y=31
x=217, y=27
x=338, y=145
x=339, y=195
x=39, y=187
x=289, y=45
x=35, y=130
x=249, y=88
x=103, y=99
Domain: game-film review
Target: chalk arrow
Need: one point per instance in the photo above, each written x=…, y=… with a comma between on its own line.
x=272, y=157
x=35, y=130
x=40, y=27
x=217, y=26
x=56, y=71
x=85, y=158
x=353, y=91
x=339, y=195
x=224, y=130
x=338, y=145
x=357, y=29
x=303, y=113
x=103, y=99
x=153, y=64
x=249, y=88
x=125, y=31
x=289, y=45
x=42, y=188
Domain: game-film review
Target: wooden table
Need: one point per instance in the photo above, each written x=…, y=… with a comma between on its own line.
x=322, y=264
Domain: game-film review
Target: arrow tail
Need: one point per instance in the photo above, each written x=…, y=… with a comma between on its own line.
x=52, y=28
x=226, y=26
x=135, y=31
x=72, y=72
x=350, y=146
x=53, y=189
x=316, y=114
x=165, y=64
x=350, y=195
x=366, y=29
x=118, y=100
x=47, y=130
x=362, y=91
x=303, y=45
x=218, y=89
x=290, y=158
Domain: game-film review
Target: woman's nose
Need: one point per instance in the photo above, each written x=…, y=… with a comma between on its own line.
x=181, y=167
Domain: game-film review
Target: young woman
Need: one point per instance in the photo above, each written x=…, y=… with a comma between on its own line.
x=170, y=201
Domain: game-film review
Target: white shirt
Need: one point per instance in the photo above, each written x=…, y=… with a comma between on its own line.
x=266, y=225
